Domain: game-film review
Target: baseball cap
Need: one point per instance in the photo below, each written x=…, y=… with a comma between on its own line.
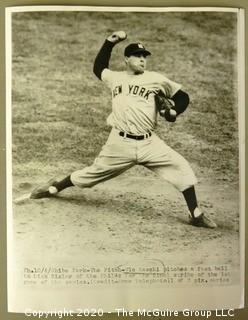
x=134, y=48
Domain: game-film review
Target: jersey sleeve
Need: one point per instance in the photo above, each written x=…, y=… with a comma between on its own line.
x=169, y=87
x=108, y=77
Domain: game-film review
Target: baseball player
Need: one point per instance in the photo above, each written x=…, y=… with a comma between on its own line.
x=136, y=94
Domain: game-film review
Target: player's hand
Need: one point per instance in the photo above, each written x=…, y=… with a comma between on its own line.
x=165, y=106
x=117, y=36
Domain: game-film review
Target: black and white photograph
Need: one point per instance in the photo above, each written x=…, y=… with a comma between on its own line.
x=125, y=156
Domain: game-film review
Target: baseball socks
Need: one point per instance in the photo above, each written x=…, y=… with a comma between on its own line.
x=61, y=185
x=198, y=218
x=190, y=198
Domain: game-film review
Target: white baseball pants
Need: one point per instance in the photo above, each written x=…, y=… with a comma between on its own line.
x=120, y=153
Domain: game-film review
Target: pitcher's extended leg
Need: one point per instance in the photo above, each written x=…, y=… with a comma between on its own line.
x=116, y=156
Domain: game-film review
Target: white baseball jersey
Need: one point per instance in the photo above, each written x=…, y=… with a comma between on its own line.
x=133, y=106
x=134, y=112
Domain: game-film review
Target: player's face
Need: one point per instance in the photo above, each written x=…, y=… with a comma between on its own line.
x=136, y=64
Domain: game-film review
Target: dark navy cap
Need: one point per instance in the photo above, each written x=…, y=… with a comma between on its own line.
x=134, y=48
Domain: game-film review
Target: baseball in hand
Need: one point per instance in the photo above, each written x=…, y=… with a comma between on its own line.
x=121, y=34
x=173, y=113
x=117, y=36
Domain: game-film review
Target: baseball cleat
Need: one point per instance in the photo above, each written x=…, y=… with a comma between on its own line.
x=203, y=221
x=44, y=191
x=23, y=198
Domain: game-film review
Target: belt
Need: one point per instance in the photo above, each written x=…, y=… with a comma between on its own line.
x=131, y=136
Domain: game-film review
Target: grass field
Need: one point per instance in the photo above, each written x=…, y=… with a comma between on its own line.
x=57, y=100
x=59, y=111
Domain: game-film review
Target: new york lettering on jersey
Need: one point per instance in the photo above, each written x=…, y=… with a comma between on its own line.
x=132, y=90
x=121, y=83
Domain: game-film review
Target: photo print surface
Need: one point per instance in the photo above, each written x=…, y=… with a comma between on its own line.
x=110, y=188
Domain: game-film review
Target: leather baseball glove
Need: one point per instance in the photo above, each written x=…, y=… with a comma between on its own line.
x=165, y=106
